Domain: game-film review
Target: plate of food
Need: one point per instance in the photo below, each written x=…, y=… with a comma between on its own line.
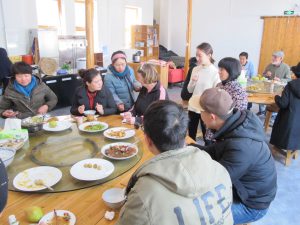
x=119, y=133
x=92, y=169
x=119, y=150
x=92, y=127
x=15, y=144
x=56, y=126
x=58, y=217
x=37, y=178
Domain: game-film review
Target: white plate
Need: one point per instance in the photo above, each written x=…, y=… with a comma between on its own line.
x=83, y=125
x=61, y=126
x=79, y=172
x=24, y=181
x=105, y=147
x=128, y=133
x=47, y=218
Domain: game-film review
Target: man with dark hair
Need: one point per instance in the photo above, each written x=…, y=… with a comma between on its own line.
x=247, y=66
x=180, y=185
x=3, y=186
x=241, y=148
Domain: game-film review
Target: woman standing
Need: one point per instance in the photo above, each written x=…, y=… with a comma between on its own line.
x=26, y=95
x=5, y=68
x=120, y=80
x=286, y=128
x=92, y=95
x=151, y=91
x=204, y=76
x=229, y=71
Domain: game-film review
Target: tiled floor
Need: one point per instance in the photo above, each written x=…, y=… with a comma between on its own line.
x=285, y=208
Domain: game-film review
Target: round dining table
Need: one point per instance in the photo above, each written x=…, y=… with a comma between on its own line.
x=85, y=203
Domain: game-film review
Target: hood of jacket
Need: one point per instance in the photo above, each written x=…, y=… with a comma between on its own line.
x=195, y=171
x=242, y=124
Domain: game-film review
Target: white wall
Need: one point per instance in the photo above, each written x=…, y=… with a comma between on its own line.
x=2, y=30
x=230, y=26
x=19, y=17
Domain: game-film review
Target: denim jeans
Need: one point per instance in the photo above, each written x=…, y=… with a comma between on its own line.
x=243, y=214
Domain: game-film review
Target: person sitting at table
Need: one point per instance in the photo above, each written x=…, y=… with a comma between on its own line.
x=241, y=148
x=277, y=70
x=246, y=65
x=286, y=128
x=93, y=95
x=229, y=71
x=26, y=95
x=180, y=184
x=121, y=81
x=152, y=90
x=3, y=187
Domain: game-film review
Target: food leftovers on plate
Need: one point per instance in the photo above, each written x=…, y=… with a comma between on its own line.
x=92, y=166
x=60, y=220
x=53, y=124
x=120, y=151
x=11, y=143
x=52, y=119
x=117, y=133
x=94, y=127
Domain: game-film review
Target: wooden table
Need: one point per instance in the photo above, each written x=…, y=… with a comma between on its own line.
x=265, y=99
x=86, y=204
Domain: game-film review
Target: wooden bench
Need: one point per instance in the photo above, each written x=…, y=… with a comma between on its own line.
x=288, y=154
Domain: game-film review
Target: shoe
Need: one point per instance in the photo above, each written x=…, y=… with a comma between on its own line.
x=261, y=113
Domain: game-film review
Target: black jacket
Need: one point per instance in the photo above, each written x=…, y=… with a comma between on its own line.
x=241, y=148
x=286, y=128
x=3, y=186
x=103, y=97
x=185, y=95
x=5, y=65
x=144, y=99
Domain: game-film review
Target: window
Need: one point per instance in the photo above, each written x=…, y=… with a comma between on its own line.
x=46, y=8
x=133, y=16
x=80, y=16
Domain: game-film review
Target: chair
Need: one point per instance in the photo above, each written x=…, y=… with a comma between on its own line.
x=288, y=154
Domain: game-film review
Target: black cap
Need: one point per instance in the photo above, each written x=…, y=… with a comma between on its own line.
x=3, y=186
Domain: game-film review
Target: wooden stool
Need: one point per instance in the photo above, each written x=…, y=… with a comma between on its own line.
x=267, y=120
x=289, y=154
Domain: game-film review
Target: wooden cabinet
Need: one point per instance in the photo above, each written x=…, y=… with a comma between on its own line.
x=146, y=38
x=280, y=33
x=162, y=72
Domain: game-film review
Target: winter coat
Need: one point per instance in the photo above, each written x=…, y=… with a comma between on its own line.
x=286, y=128
x=27, y=106
x=241, y=148
x=183, y=186
x=122, y=87
x=103, y=97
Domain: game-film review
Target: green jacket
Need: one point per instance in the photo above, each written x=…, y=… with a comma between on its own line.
x=41, y=95
x=184, y=187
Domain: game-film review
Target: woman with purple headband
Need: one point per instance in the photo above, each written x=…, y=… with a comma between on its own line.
x=120, y=80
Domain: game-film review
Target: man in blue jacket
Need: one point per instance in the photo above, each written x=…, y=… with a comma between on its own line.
x=241, y=148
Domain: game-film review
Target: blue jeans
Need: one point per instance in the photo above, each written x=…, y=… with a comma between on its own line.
x=242, y=214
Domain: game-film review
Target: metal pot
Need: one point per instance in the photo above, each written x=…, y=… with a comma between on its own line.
x=136, y=58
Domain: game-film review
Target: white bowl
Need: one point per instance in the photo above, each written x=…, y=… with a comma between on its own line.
x=114, y=197
x=7, y=155
x=89, y=112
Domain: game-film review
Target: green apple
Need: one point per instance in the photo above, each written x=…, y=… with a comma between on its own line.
x=34, y=214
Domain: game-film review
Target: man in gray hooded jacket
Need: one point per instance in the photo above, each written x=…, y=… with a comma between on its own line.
x=180, y=185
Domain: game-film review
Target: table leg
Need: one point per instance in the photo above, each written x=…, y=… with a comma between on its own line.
x=267, y=120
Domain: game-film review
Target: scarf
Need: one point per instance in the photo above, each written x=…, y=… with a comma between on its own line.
x=26, y=90
x=121, y=75
x=91, y=96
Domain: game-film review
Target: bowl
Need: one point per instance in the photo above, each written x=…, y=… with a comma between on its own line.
x=7, y=155
x=89, y=112
x=33, y=124
x=114, y=198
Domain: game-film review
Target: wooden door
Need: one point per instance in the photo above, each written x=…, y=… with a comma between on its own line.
x=280, y=33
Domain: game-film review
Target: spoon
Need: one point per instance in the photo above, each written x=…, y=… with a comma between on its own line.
x=40, y=182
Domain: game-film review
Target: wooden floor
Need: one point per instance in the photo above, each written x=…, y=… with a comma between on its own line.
x=86, y=204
